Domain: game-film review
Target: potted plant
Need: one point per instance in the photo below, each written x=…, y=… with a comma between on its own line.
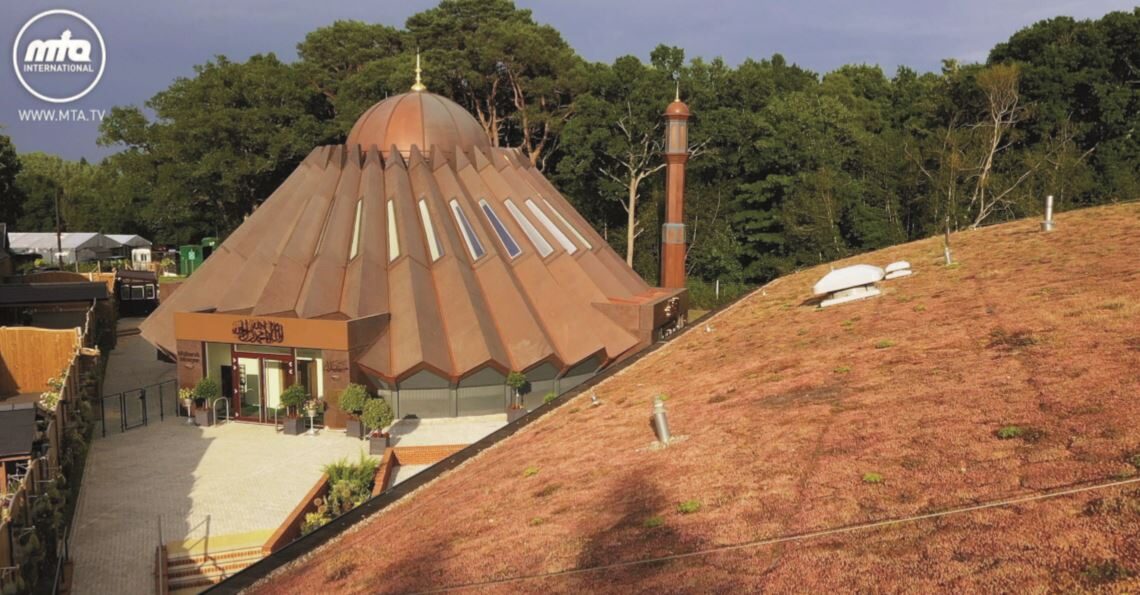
x=377, y=415
x=516, y=380
x=205, y=393
x=293, y=398
x=352, y=401
x=186, y=398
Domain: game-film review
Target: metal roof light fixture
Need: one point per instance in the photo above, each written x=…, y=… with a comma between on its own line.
x=898, y=269
x=848, y=284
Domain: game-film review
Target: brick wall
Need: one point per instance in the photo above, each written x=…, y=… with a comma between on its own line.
x=425, y=455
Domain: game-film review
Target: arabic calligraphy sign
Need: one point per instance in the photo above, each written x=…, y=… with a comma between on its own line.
x=260, y=332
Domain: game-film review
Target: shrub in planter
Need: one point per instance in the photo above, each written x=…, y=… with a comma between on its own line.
x=352, y=401
x=292, y=398
x=206, y=391
x=377, y=415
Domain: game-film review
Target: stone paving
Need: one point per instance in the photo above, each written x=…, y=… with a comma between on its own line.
x=448, y=430
x=199, y=482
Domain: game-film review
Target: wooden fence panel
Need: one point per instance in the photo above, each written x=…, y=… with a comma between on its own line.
x=30, y=356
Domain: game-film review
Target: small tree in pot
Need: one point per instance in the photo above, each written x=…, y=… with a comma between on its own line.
x=205, y=393
x=292, y=398
x=352, y=401
x=377, y=415
x=516, y=380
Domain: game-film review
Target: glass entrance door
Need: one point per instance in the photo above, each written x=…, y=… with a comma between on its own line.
x=259, y=380
x=276, y=380
x=248, y=371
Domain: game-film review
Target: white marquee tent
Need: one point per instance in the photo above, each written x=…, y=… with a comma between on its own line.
x=80, y=246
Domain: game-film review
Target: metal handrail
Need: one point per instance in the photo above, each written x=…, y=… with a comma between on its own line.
x=214, y=406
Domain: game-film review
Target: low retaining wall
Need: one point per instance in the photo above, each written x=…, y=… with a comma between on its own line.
x=384, y=472
x=290, y=529
x=425, y=455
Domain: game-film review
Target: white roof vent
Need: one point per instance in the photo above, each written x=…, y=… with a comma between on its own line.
x=848, y=284
x=898, y=269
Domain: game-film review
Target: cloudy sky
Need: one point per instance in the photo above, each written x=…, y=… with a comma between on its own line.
x=150, y=43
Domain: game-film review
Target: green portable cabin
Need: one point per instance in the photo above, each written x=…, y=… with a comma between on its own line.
x=208, y=246
x=189, y=259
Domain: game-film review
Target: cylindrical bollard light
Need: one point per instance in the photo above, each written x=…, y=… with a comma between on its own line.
x=1047, y=224
x=660, y=421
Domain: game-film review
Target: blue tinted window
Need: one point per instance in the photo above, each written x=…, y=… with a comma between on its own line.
x=509, y=243
x=473, y=243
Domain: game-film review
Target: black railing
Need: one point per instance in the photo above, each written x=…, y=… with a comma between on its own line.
x=134, y=405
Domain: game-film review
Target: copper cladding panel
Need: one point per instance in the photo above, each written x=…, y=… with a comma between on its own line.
x=417, y=119
x=559, y=314
x=365, y=287
x=471, y=336
x=327, y=268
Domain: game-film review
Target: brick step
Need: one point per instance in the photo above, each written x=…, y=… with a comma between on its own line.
x=196, y=585
x=209, y=568
x=219, y=556
x=224, y=555
x=205, y=577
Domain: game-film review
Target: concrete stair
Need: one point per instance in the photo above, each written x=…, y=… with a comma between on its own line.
x=193, y=573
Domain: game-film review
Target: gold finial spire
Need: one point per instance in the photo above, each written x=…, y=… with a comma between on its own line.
x=677, y=97
x=419, y=84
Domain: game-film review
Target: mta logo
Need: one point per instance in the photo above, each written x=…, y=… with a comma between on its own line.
x=59, y=50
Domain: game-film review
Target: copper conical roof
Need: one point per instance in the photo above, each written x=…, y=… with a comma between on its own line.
x=476, y=259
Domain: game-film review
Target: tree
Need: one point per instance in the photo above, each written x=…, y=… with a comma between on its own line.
x=11, y=199
x=1004, y=111
x=617, y=134
x=517, y=77
x=222, y=142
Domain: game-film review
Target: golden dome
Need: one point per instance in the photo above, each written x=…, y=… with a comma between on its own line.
x=417, y=118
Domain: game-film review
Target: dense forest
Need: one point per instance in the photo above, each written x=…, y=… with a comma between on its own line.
x=789, y=167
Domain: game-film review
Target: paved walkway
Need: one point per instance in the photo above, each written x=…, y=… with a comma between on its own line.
x=132, y=365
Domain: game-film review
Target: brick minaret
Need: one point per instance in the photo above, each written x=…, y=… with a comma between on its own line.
x=673, y=231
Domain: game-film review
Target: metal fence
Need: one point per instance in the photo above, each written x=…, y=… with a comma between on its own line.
x=119, y=412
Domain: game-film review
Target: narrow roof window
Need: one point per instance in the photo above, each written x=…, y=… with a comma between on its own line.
x=573, y=230
x=355, y=249
x=528, y=228
x=474, y=246
x=509, y=243
x=393, y=239
x=434, y=246
x=551, y=227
